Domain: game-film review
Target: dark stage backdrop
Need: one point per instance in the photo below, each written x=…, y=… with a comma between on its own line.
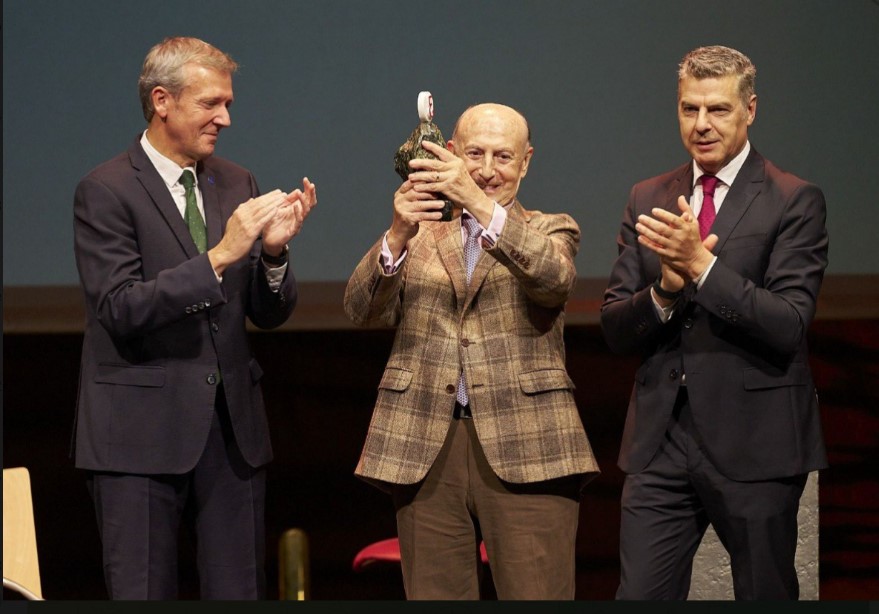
x=320, y=387
x=328, y=89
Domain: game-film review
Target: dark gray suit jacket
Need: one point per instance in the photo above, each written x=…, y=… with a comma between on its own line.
x=159, y=327
x=740, y=339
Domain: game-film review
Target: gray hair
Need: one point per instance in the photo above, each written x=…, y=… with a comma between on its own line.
x=163, y=66
x=717, y=61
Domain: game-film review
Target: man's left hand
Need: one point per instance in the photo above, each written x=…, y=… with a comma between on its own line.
x=675, y=238
x=447, y=175
x=288, y=220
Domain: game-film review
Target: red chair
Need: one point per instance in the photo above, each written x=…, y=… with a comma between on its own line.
x=388, y=551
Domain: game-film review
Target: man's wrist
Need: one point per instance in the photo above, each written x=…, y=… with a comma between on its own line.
x=700, y=264
x=666, y=294
x=278, y=260
x=396, y=244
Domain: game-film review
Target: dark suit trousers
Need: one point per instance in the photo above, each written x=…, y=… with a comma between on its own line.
x=667, y=508
x=529, y=529
x=223, y=498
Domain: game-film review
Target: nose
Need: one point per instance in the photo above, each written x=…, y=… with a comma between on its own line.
x=223, y=118
x=486, y=169
x=702, y=123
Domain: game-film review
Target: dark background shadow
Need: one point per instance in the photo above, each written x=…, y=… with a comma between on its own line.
x=320, y=387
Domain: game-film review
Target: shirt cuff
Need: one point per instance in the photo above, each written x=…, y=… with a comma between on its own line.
x=490, y=235
x=387, y=258
x=664, y=313
x=701, y=279
x=275, y=275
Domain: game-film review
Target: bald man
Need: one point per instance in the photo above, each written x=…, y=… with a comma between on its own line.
x=475, y=432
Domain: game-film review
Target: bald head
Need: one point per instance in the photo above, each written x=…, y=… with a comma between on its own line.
x=476, y=116
x=494, y=142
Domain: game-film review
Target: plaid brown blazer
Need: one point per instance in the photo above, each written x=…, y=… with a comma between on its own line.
x=505, y=330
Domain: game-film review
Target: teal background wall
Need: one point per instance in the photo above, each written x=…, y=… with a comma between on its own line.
x=328, y=89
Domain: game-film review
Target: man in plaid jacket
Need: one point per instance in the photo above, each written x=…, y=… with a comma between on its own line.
x=475, y=432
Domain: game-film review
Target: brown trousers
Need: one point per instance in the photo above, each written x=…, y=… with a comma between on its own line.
x=529, y=529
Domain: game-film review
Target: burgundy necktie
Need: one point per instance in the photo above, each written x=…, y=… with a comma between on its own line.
x=707, y=213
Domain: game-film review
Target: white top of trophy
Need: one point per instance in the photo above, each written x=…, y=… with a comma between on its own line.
x=425, y=106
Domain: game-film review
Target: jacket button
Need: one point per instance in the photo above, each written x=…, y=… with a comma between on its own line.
x=688, y=323
x=194, y=308
x=211, y=379
x=201, y=305
x=207, y=302
x=465, y=342
x=188, y=309
x=215, y=327
x=673, y=374
x=450, y=389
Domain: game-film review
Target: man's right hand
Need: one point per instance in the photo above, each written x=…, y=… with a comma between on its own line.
x=243, y=228
x=410, y=209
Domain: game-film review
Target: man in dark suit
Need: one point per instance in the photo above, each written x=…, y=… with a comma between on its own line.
x=170, y=417
x=723, y=424
x=475, y=432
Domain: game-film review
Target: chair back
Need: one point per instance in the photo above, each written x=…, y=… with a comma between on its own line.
x=21, y=569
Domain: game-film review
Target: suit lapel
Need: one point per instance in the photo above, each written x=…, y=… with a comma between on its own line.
x=451, y=253
x=207, y=181
x=742, y=193
x=154, y=185
x=485, y=262
x=681, y=185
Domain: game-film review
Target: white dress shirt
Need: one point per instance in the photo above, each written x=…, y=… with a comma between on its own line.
x=170, y=172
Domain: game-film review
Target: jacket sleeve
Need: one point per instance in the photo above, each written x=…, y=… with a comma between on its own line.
x=111, y=270
x=540, y=254
x=629, y=321
x=372, y=298
x=778, y=310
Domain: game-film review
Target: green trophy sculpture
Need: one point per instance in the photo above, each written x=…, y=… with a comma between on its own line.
x=412, y=149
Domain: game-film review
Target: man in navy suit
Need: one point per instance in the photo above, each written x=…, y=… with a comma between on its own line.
x=723, y=424
x=170, y=418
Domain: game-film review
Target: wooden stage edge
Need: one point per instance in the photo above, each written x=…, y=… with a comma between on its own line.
x=59, y=309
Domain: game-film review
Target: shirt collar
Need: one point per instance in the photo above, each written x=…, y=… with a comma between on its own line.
x=169, y=170
x=729, y=172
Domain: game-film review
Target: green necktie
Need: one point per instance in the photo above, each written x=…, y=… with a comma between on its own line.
x=192, y=216
x=193, y=219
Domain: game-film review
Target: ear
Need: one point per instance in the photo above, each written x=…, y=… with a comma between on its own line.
x=752, y=109
x=162, y=100
x=450, y=145
x=528, y=153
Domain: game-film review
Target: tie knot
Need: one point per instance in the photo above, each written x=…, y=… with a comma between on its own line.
x=709, y=182
x=471, y=225
x=187, y=179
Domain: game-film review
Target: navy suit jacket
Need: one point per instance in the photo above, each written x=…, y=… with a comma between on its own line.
x=740, y=339
x=159, y=327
